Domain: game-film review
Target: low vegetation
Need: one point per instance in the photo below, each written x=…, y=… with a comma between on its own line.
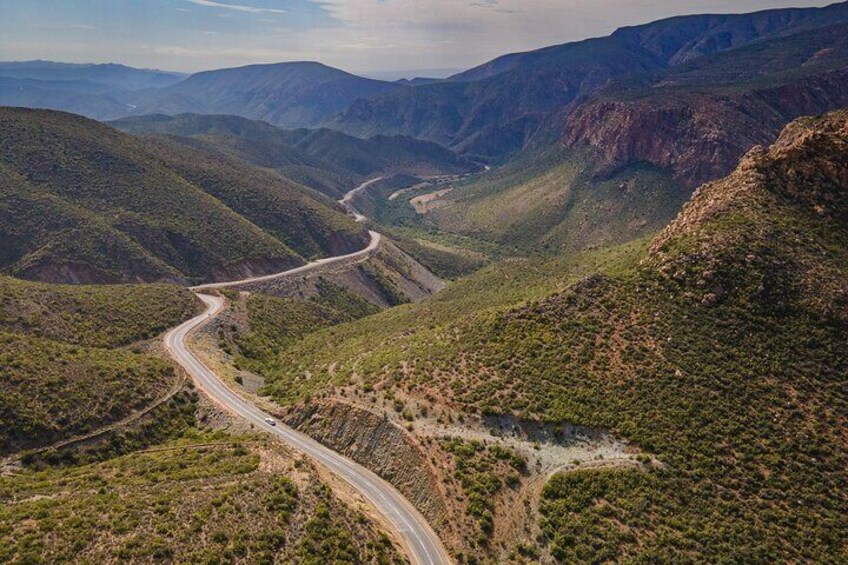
x=52, y=390
x=494, y=288
x=63, y=372
x=552, y=201
x=483, y=471
x=83, y=203
x=721, y=353
x=275, y=323
x=449, y=256
x=94, y=316
x=202, y=499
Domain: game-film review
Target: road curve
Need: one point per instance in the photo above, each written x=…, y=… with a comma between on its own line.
x=375, y=242
x=347, y=200
x=423, y=545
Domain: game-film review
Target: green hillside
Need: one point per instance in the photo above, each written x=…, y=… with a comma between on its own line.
x=82, y=202
x=52, y=390
x=255, y=142
x=93, y=316
x=552, y=201
x=62, y=372
x=379, y=154
x=205, y=499
x=722, y=352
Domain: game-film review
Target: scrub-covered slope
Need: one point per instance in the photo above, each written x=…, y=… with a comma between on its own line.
x=328, y=161
x=723, y=353
x=83, y=203
x=65, y=370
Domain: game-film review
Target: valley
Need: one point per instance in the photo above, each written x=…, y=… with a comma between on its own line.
x=585, y=303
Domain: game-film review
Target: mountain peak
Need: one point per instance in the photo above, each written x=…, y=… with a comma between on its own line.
x=775, y=228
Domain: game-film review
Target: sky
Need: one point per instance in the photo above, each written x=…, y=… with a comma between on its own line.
x=379, y=38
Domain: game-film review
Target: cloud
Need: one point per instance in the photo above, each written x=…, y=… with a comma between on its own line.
x=237, y=7
x=248, y=55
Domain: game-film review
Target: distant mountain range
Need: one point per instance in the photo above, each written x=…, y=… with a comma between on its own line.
x=618, y=161
x=494, y=110
x=109, y=74
x=284, y=94
x=328, y=161
x=489, y=112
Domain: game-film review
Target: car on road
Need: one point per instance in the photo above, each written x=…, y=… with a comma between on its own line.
x=271, y=421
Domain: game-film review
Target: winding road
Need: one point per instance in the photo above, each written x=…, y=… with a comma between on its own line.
x=423, y=545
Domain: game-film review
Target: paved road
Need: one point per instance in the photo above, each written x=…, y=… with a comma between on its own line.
x=375, y=242
x=348, y=199
x=423, y=545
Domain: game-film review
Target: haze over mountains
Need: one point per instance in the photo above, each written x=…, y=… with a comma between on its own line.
x=326, y=160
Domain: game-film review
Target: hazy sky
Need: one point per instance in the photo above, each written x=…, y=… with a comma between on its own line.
x=363, y=36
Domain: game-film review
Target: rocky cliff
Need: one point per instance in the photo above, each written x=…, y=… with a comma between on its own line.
x=775, y=232
x=697, y=120
x=380, y=445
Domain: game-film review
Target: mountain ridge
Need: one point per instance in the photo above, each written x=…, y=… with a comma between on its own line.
x=470, y=113
x=291, y=94
x=328, y=161
x=127, y=209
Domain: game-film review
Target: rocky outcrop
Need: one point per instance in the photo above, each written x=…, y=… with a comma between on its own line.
x=699, y=136
x=381, y=446
x=741, y=235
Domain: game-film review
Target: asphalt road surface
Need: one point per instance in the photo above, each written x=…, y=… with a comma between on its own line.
x=423, y=545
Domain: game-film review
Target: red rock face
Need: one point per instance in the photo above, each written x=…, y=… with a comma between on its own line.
x=699, y=136
x=740, y=235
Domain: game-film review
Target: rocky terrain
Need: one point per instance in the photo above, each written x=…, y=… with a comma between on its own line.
x=698, y=120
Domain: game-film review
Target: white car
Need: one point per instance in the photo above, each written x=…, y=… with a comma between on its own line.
x=271, y=421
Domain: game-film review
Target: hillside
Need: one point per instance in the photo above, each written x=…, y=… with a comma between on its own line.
x=494, y=117
x=63, y=371
x=117, y=496
x=325, y=160
x=552, y=201
x=620, y=164
x=721, y=353
x=291, y=95
x=151, y=457
x=494, y=110
x=684, y=39
x=83, y=203
x=92, y=316
x=203, y=499
x=387, y=155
